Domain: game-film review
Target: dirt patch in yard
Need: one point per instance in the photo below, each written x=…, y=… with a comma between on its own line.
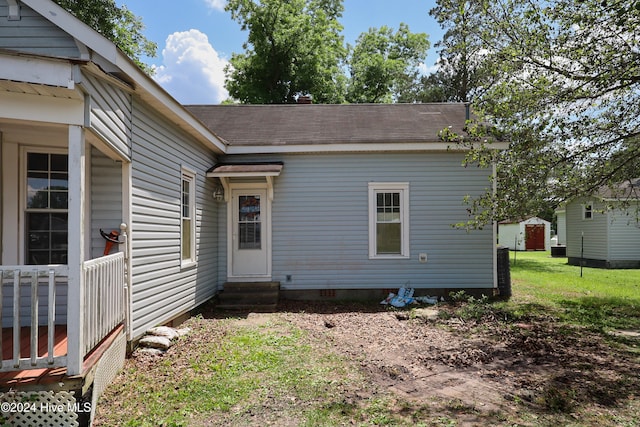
x=485, y=371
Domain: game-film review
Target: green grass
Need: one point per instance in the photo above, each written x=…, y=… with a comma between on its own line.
x=601, y=299
x=251, y=373
x=248, y=372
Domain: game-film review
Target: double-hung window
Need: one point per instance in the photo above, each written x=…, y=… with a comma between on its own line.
x=46, y=208
x=188, y=220
x=388, y=220
x=587, y=211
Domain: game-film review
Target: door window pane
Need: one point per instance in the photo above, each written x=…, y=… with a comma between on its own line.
x=249, y=223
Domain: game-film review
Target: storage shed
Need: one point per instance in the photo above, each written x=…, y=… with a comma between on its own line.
x=531, y=234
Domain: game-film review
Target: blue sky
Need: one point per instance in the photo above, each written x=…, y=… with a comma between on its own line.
x=197, y=37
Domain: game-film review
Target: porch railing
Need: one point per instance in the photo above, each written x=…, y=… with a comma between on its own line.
x=28, y=299
x=104, y=296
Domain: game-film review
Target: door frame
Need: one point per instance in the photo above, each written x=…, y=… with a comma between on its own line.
x=266, y=232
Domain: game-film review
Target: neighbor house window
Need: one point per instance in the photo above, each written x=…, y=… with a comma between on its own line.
x=388, y=220
x=46, y=212
x=188, y=220
x=587, y=211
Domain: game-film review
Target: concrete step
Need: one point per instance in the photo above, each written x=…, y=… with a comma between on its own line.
x=253, y=296
x=256, y=308
x=252, y=286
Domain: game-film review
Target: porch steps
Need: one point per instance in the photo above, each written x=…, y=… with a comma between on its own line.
x=249, y=296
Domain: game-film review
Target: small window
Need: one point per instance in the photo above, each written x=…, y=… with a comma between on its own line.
x=46, y=213
x=188, y=221
x=587, y=211
x=388, y=220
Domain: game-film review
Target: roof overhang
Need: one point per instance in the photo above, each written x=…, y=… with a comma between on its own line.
x=359, y=147
x=244, y=170
x=227, y=171
x=143, y=85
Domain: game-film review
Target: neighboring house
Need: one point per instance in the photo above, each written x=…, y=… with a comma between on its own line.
x=341, y=199
x=602, y=232
x=531, y=234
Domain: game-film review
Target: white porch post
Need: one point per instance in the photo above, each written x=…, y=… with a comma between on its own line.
x=75, y=255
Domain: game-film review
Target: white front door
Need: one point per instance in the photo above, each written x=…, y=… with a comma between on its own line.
x=250, y=230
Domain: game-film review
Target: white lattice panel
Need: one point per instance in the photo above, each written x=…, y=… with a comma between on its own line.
x=108, y=367
x=38, y=409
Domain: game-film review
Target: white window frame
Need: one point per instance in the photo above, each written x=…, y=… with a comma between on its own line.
x=188, y=175
x=385, y=187
x=22, y=227
x=587, y=208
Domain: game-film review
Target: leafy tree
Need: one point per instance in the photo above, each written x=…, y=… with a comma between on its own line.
x=384, y=64
x=463, y=62
x=118, y=24
x=462, y=72
x=294, y=48
x=567, y=98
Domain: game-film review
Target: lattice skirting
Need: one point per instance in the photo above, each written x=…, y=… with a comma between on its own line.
x=39, y=409
x=108, y=367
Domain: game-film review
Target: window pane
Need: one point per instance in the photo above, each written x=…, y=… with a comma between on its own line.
x=249, y=222
x=38, y=240
x=47, y=188
x=59, y=200
x=59, y=221
x=39, y=258
x=59, y=181
x=250, y=235
x=58, y=257
x=38, y=221
x=59, y=240
x=388, y=238
x=186, y=185
x=249, y=208
x=388, y=207
x=186, y=239
x=59, y=162
x=37, y=162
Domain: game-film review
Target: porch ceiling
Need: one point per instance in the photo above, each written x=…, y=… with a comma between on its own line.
x=32, y=132
x=37, y=89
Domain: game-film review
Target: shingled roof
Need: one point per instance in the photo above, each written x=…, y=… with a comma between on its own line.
x=295, y=124
x=627, y=190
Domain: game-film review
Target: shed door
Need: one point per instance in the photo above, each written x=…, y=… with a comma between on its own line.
x=534, y=236
x=250, y=234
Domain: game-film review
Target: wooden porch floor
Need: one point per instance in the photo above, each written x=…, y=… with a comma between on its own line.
x=31, y=377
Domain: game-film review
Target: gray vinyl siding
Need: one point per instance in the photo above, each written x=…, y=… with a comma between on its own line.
x=624, y=234
x=161, y=288
x=106, y=199
x=595, y=231
x=321, y=222
x=34, y=34
x=110, y=113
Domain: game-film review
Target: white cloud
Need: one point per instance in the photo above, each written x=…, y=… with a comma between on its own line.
x=192, y=71
x=216, y=4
